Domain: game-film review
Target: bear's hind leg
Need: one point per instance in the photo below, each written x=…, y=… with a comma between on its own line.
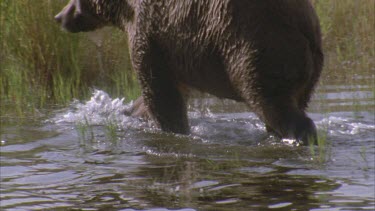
x=287, y=121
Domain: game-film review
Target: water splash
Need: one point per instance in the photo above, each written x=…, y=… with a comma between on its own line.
x=101, y=109
x=240, y=127
x=338, y=126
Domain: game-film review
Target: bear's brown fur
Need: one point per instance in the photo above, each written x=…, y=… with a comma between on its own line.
x=266, y=53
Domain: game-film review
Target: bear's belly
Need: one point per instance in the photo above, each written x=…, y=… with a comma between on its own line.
x=206, y=74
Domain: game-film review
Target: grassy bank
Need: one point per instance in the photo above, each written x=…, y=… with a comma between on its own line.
x=348, y=28
x=42, y=65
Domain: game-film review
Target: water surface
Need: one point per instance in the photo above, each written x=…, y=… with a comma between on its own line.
x=90, y=157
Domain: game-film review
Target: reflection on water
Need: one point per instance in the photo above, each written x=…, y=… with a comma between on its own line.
x=90, y=157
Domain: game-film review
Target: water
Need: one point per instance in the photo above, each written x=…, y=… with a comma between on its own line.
x=90, y=157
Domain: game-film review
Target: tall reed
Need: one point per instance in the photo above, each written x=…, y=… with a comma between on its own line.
x=41, y=64
x=348, y=28
x=35, y=54
x=348, y=36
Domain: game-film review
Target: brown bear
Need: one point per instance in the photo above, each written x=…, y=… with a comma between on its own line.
x=266, y=53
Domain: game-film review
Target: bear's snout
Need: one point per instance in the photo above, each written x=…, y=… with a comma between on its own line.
x=76, y=17
x=66, y=17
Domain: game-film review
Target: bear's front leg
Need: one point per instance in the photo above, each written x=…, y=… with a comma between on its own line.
x=162, y=98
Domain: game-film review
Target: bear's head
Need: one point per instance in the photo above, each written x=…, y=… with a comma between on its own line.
x=88, y=15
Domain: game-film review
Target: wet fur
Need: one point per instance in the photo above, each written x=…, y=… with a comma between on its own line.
x=266, y=53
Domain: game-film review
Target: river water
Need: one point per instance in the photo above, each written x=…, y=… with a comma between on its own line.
x=89, y=156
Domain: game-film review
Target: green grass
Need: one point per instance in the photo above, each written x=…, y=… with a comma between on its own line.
x=36, y=52
x=85, y=132
x=322, y=151
x=43, y=65
x=111, y=128
x=348, y=37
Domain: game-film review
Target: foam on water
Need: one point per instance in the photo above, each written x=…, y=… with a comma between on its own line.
x=345, y=126
x=101, y=109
